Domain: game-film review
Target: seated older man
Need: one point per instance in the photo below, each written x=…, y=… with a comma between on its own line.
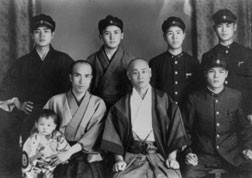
x=144, y=129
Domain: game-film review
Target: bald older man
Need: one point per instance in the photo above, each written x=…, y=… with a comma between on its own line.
x=144, y=129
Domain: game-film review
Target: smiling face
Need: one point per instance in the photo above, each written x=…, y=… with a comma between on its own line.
x=174, y=37
x=81, y=77
x=112, y=36
x=45, y=125
x=216, y=77
x=42, y=36
x=225, y=31
x=139, y=74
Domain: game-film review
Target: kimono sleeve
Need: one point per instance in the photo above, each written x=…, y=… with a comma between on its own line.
x=111, y=140
x=30, y=152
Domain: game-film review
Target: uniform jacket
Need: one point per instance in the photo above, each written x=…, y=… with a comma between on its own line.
x=239, y=60
x=109, y=76
x=216, y=125
x=167, y=125
x=175, y=75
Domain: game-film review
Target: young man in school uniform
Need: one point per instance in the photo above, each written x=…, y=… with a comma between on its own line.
x=219, y=134
x=174, y=71
x=238, y=57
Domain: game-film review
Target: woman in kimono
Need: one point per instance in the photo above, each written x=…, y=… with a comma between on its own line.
x=81, y=117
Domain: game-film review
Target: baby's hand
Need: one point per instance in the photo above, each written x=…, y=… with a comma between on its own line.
x=247, y=154
x=172, y=163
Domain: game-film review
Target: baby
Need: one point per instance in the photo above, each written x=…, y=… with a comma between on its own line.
x=43, y=144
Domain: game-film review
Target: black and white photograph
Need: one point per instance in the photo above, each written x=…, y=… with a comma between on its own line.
x=126, y=89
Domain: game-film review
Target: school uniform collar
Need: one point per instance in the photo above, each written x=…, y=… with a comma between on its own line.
x=209, y=92
x=175, y=56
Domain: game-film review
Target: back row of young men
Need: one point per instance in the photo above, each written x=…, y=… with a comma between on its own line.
x=217, y=132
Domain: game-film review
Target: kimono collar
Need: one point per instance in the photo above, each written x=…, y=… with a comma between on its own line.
x=118, y=51
x=78, y=102
x=36, y=55
x=135, y=93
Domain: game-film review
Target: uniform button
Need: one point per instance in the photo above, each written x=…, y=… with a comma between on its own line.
x=175, y=62
x=176, y=92
x=176, y=82
x=176, y=72
x=217, y=112
x=226, y=51
x=226, y=82
x=217, y=146
x=218, y=136
x=176, y=102
x=216, y=101
x=218, y=124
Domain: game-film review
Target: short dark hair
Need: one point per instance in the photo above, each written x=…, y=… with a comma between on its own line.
x=46, y=113
x=81, y=61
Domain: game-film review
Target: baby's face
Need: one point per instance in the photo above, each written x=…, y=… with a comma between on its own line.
x=45, y=125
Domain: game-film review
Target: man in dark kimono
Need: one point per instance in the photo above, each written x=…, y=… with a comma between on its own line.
x=31, y=81
x=174, y=71
x=110, y=62
x=238, y=57
x=144, y=129
x=219, y=134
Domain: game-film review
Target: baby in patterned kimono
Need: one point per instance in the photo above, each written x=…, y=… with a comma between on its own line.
x=42, y=146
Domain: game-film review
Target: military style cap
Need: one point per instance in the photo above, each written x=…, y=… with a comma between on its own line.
x=173, y=21
x=110, y=20
x=224, y=16
x=42, y=20
x=215, y=61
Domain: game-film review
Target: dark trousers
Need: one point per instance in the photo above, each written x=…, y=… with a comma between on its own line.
x=242, y=171
x=78, y=167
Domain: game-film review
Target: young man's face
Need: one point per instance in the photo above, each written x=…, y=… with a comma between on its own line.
x=45, y=126
x=225, y=31
x=81, y=78
x=111, y=37
x=42, y=36
x=216, y=77
x=174, y=37
x=139, y=74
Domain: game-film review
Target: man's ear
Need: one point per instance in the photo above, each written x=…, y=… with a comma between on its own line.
x=214, y=28
x=122, y=35
x=53, y=34
x=235, y=27
x=70, y=77
x=164, y=36
x=32, y=37
x=128, y=75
